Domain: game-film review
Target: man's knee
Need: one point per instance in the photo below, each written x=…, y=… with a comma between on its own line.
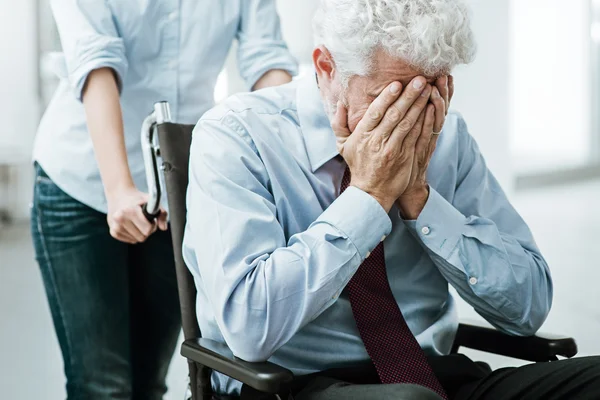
x=414, y=392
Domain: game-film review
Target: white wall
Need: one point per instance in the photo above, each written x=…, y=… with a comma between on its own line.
x=296, y=19
x=551, y=83
x=19, y=110
x=482, y=88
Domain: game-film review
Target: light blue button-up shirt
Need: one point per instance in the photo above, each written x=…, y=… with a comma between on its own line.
x=168, y=50
x=271, y=243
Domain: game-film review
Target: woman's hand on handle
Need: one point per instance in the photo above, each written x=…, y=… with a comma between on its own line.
x=126, y=220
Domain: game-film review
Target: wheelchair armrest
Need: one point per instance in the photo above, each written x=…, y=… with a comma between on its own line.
x=538, y=348
x=264, y=376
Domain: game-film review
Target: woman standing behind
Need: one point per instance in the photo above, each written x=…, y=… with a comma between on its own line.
x=111, y=286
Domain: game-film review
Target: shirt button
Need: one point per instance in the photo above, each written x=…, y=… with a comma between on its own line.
x=425, y=230
x=368, y=254
x=473, y=280
x=383, y=238
x=172, y=16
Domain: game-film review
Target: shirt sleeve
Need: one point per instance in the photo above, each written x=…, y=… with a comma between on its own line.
x=484, y=248
x=89, y=40
x=261, y=46
x=264, y=285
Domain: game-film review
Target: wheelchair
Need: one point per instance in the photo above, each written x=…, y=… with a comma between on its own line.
x=166, y=149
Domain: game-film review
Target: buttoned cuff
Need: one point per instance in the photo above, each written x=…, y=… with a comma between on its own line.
x=439, y=226
x=360, y=218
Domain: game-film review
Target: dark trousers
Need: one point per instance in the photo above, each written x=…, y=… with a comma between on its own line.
x=462, y=379
x=114, y=306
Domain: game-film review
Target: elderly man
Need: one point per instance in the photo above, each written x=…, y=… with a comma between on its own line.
x=324, y=230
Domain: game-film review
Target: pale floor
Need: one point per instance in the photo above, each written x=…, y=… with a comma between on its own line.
x=565, y=221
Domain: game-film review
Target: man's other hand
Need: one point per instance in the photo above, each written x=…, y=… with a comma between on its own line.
x=430, y=123
x=381, y=151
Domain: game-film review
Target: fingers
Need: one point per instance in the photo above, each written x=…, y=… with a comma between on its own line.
x=141, y=224
x=123, y=236
x=339, y=124
x=404, y=134
x=378, y=108
x=425, y=132
x=131, y=226
x=162, y=220
x=398, y=111
x=124, y=230
x=138, y=234
x=428, y=127
x=440, y=109
x=422, y=139
x=450, y=88
x=441, y=84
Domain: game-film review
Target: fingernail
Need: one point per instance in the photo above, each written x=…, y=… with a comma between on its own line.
x=436, y=93
x=418, y=84
x=395, y=88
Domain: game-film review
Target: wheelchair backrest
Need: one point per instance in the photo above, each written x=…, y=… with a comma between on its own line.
x=175, y=141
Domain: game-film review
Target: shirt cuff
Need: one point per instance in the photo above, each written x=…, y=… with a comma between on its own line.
x=360, y=218
x=95, y=53
x=254, y=63
x=439, y=226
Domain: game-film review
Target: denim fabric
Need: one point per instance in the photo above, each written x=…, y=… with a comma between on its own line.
x=114, y=305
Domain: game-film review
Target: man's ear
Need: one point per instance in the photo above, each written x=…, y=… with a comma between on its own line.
x=324, y=64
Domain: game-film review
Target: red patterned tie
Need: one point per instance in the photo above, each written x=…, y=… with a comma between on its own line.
x=396, y=354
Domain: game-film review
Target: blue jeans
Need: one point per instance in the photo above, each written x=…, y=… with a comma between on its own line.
x=114, y=306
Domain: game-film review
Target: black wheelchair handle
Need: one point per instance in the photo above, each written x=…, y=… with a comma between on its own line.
x=149, y=217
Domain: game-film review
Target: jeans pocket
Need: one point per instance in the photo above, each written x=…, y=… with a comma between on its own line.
x=46, y=193
x=44, y=185
x=58, y=214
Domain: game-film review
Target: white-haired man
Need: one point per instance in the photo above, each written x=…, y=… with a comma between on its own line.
x=324, y=231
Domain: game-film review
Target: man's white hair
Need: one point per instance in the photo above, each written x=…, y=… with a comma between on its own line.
x=432, y=36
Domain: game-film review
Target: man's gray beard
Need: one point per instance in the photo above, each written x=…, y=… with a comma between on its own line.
x=330, y=109
x=331, y=104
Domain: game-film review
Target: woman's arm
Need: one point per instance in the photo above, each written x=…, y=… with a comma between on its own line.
x=105, y=123
x=274, y=77
x=263, y=57
x=97, y=64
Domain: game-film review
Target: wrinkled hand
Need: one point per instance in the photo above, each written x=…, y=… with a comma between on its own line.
x=380, y=152
x=126, y=220
x=413, y=200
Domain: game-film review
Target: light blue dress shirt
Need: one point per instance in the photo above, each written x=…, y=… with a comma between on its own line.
x=271, y=243
x=168, y=50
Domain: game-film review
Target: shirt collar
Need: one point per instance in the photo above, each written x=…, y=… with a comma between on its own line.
x=314, y=122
